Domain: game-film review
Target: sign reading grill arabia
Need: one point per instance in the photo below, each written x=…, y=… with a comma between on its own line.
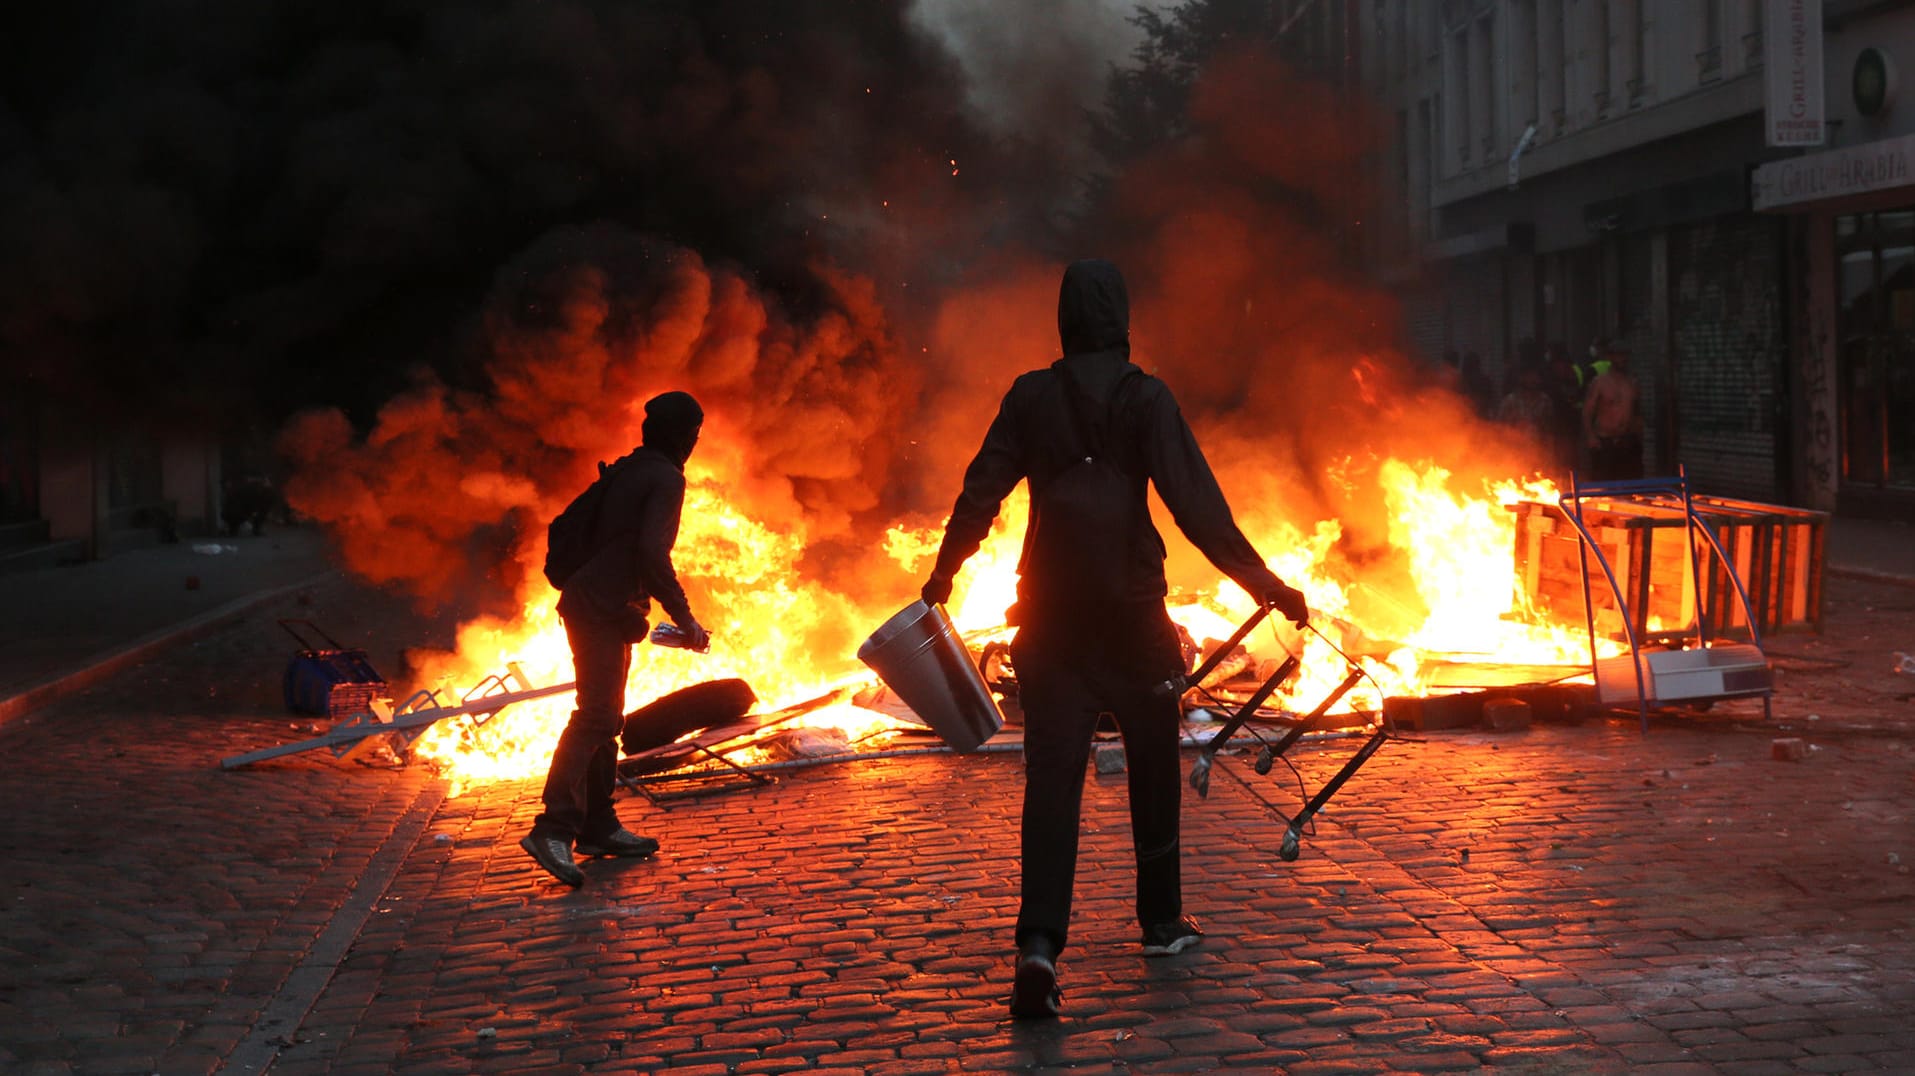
x=1792, y=61
x=1873, y=166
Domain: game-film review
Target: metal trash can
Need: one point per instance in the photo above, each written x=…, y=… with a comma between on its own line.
x=918, y=655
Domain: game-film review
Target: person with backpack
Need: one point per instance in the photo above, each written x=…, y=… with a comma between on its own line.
x=609, y=553
x=1091, y=433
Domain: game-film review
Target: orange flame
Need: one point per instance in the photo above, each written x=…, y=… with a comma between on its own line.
x=793, y=638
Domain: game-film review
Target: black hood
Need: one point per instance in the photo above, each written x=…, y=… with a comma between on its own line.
x=672, y=420
x=1093, y=309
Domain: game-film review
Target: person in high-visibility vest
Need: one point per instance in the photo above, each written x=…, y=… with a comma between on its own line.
x=1612, y=418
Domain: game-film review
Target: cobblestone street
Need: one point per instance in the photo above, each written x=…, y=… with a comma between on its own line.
x=1572, y=898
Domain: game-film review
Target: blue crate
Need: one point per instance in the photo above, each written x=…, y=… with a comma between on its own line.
x=335, y=681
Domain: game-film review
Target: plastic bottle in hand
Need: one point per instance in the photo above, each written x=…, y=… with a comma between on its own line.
x=669, y=634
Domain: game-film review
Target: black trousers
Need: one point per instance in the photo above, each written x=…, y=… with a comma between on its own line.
x=1063, y=687
x=584, y=771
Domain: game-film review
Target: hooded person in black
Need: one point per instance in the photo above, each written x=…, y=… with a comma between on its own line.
x=1091, y=433
x=604, y=605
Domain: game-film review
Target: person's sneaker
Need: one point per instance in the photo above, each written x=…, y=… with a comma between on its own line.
x=622, y=842
x=555, y=855
x=1168, y=939
x=1034, y=993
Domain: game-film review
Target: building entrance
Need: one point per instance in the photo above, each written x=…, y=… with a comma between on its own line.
x=1876, y=266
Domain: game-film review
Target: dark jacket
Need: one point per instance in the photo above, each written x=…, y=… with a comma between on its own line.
x=636, y=528
x=1031, y=439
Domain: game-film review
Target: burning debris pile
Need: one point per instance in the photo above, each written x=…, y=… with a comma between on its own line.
x=843, y=397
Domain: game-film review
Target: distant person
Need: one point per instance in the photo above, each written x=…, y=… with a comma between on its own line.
x=1475, y=385
x=604, y=604
x=1527, y=408
x=1612, y=419
x=247, y=503
x=1091, y=433
x=1595, y=363
x=1564, y=386
x=1528, y=353
x=1449, y=371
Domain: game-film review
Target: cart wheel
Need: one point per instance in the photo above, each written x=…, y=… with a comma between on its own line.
x=1291, y=846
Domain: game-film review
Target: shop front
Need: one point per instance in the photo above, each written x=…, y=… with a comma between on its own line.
x=1855, y=420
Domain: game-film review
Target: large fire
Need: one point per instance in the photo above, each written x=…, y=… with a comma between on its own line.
x=793, y=640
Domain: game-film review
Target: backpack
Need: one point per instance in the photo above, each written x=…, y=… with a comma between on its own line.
x=570, y=539
x=1086, y=516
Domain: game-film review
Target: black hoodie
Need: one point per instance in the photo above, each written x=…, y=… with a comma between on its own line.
x=1031, y=439
x=637, y=523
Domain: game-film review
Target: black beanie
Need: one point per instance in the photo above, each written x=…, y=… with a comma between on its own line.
x=671, y=424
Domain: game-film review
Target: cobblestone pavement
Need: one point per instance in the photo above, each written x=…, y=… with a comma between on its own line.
x=1573, y=898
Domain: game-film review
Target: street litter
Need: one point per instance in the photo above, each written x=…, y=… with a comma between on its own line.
x=213, y=548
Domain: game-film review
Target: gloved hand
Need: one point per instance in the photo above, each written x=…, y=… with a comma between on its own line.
x=1289, y=601
x=696, y=637
x=937, y=591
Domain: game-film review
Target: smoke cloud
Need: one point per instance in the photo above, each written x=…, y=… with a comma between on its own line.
x=479, y=235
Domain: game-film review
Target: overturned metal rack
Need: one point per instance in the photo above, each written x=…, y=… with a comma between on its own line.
x=700, y=764
x=410, y=719
x=1295, y=728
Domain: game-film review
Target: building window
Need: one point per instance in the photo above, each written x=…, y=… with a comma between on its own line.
x=1461, y=99
x=1525, y=80
x=1752, y=41
x=1483, y=89
x=1551, y=62
x=1709, y=58
x=1602, y=75
x=1633, y=23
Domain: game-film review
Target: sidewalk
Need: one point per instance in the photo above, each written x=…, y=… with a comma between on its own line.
x=1871, y=549
x=63, y=628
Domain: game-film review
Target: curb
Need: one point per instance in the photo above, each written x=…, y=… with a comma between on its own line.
x=1869, y=575
x=100, y=666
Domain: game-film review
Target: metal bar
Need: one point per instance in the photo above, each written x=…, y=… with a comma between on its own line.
x=1256, y=699
x=1293, y=834
x=1645, y=566
x=1177, y=685
x=1588, y=541
x=733, y=774
x=1735, y=580
x=358, y=728
x=1300, y=727
x=1689, y=524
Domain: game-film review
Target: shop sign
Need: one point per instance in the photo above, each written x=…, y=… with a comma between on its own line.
x=1792, y=64
x=1872, y=166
